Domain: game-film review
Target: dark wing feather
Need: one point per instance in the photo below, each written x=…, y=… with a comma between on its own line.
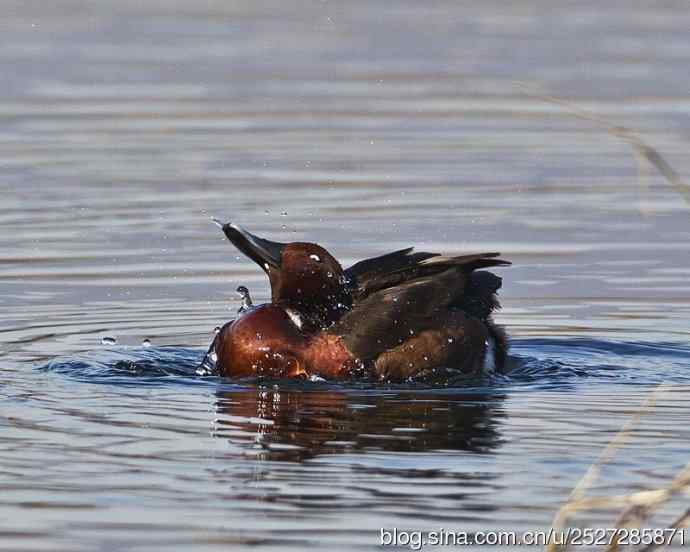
x=372, y=275
x=369, y=270
x=391, y=306
x=480, y=299
x=386, y=318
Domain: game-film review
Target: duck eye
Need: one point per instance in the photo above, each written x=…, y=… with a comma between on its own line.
x=315, y=258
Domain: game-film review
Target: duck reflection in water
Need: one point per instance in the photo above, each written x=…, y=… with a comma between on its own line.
x=292, y=424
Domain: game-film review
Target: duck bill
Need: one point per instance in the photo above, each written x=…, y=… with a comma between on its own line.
x=267, y=254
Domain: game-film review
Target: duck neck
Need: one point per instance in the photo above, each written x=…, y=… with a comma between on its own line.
x=318, y=311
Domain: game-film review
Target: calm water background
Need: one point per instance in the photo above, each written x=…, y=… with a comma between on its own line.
x=367, y=126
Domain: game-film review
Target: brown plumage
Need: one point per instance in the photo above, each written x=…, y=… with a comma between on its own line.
x=391, y=316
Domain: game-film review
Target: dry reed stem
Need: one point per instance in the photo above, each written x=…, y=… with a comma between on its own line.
x=639, y=506
x=634, y=516
x=640, y=147
x=576, y=501
x=681, y=522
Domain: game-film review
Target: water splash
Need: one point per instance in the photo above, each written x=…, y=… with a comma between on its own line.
x=247, y=304
x=532, y=364
x=208, y=363
x=127, y=365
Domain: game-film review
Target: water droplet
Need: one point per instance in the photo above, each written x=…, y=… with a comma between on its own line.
x=267, y=212
x=246, y=300
x=208, y=365
x=216, y=330
x=107, y=340
x=450, y=340
x=411, y=332
x=146, y=342
x=315, y=257
x=283, y=213
x=329, y=274
x=283, y=226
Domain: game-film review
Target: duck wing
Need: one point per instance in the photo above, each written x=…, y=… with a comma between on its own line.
x=372, y=275
x=393, y=306
x=369, y=270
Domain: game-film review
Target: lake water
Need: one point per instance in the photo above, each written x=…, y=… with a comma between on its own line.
x=365, y=126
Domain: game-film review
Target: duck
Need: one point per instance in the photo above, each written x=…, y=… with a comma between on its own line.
x=390, y=317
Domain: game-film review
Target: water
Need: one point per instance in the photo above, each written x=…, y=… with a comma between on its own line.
x=367, y=127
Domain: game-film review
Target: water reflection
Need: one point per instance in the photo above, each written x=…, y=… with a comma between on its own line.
x=290, y=424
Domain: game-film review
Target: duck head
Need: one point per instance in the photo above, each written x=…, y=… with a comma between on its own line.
x=304, y=277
